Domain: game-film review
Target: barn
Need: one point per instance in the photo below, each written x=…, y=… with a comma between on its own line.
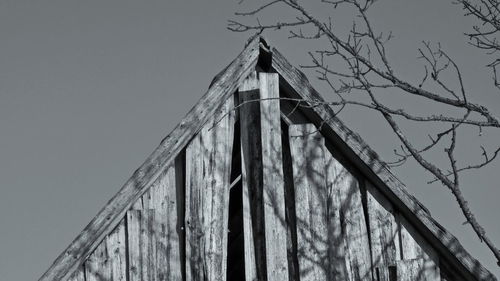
x=261, y=181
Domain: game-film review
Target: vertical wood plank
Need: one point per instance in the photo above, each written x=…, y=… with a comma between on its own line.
x=253, y=239
x=384, y=234
x=78, y=275
x=290, y=213
x=415, y=247
x=337, y=247
x=411, y=270
x=146, y=240
x=138, y=204
x=208, y=167
x=355, y=230
x=409, y=246
x=273, y=185
x=162, y=199
x=195, y=242
x=134, y=245
x=97, y=266
x=311, y=197
x=148, y=230
x=116, y=248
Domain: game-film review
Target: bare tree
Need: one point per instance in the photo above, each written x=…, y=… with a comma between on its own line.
x=484, y=36
x=363, y=73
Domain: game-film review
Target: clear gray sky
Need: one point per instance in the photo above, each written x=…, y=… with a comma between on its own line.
x=89, y=88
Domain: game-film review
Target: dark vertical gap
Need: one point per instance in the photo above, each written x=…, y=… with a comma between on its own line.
x=236, y=112
x=290, y=216
x=85, y=272
x=127, y=250
x=364, y=203
x=252, y=155
x=235, y=243
x=377, y=274
x=393, y=273
x=398, y=222
x=236, y=157
x=180, y=184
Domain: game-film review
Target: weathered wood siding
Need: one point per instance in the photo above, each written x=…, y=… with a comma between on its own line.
x=78, y=275
x=384, y=233
x=273, y=183
x=251, y=167
x=304, y=214
x=145, y=245
x=311, y=199
x=346, y=229
x=208, y=168
x=221, y=88
x=414, y=247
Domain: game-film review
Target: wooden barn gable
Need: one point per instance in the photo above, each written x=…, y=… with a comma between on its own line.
x=257, y=182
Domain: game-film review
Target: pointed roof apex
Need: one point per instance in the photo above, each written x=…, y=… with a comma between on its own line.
x=257, y=54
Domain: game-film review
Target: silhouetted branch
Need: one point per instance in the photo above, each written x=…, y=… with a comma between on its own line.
x=363, y=67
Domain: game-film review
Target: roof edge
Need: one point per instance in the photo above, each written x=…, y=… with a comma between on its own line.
x=225, y=83
x=371, y=162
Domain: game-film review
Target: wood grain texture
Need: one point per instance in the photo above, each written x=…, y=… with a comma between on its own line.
x=108, y=217
x=208, y=168
x=147, y=254
x=311, y=198
x=357, y=242
x=165, y=205
x=273, y=185
x=384, y=230
x=413, y=270
x=97, y=267
x=136, y=244
x=413, y=246
x=253, y=229
x=290, y=212
x=78, y=275
x=370, y=164
x=339, y=259
x=116, y=245
x=410, y=270
x=161, y=197
x=410, y=249
x=149, y=227
x=366, y=160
